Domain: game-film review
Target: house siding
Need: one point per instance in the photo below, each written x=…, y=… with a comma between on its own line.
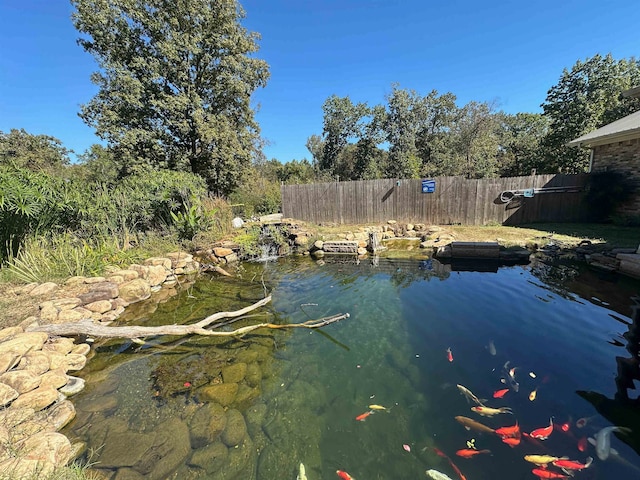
x=621, y=157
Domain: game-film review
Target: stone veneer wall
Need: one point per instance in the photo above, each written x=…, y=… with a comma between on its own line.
x=34, y=379
x=621, y=157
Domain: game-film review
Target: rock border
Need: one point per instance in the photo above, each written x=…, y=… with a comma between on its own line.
x=34, y=367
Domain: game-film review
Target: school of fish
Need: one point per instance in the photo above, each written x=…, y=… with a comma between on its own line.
x=543, y=464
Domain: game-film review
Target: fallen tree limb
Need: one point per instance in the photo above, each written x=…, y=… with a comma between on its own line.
x=90, y=328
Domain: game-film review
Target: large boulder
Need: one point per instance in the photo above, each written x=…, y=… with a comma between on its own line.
x=23, y=343
x=22, y=381
x=7, y=394
x=234, y=373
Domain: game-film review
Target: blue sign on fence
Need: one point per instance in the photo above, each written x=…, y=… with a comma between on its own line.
x=428, y=186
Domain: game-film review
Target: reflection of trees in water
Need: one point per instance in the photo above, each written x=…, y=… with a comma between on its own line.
x=555, y=277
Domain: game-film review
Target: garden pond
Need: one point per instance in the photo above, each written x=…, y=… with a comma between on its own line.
x=375, y=395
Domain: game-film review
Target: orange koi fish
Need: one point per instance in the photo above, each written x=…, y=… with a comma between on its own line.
x=449, y=354
x=512, y=441
x=364, y=415
x=543, y=433
x=344, y=475
x=500, y=393
x=468, y=452
x=583, y=444
x=572, y=465
x=546, y=473
x=512, y=431
x=453, y=465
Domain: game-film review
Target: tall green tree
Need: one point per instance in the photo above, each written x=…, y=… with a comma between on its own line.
x=38, y=153
x=521, y=139
x=477, y=140
x=175, y=84
x=343, y=121
x=401, y=127
x=586, y=97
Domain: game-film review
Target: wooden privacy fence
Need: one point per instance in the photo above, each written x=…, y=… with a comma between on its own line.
x=455, y=200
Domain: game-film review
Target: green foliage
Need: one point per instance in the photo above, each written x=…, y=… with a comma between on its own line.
x=586, y=97
x=37, y=204
x=257, y=194
x=175, y=85
x=521, y=143
x=61, y=256
x=38, y=153
x=606, y=192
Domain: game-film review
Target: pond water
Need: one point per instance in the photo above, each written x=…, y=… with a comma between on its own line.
x=256, y=407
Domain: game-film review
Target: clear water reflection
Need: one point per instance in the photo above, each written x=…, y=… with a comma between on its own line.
x=568, y=333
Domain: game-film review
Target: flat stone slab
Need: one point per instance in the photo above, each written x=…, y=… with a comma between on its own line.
x=629, y=258
x=341, y=246
x=475, y=249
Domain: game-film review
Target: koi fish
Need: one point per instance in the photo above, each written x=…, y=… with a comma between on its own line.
x=543, y=433
x=510, y=374
x=471, y=424
x=603, y=440
x=533, y=394
x=512, y=441
x=302, y=473
x=492, y=348
x=490, y=412
x=449, y=354
x=500, y=393
x=582, y=422
x=436, y=475
x=571, y=464
x=512, y=431
x=583, y=444
x=344, y=475
x=364, y=415
x=377, y=407
x=453, y=465
x=546, y=473
x=542, y=459
x=470, y=396
x=469, y=452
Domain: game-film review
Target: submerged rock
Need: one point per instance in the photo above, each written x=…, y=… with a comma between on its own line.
x=207, y=424
x=224, y=393
x=235, y=430
x=210, y=458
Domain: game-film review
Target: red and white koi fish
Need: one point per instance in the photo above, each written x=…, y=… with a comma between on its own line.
x=363, y=416
x=344, y=475
x=500, y=393
x=543, y=433
x=469, y=452
x=572, y=464
x=490, y=412
x=546, y=473
x=449, y=354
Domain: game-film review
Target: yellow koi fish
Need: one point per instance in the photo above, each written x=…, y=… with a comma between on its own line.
x=377, y=407
x=542, y=459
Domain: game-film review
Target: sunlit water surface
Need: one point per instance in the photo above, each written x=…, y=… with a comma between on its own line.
x=562, y=328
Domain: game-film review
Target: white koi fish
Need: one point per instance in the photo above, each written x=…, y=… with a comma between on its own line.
x=436, y=475
x=302, y=474
x=603, y=440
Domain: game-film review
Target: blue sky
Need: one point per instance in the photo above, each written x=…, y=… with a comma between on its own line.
x=511, y=52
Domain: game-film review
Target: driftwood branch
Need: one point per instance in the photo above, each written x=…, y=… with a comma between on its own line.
x=90, y=328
